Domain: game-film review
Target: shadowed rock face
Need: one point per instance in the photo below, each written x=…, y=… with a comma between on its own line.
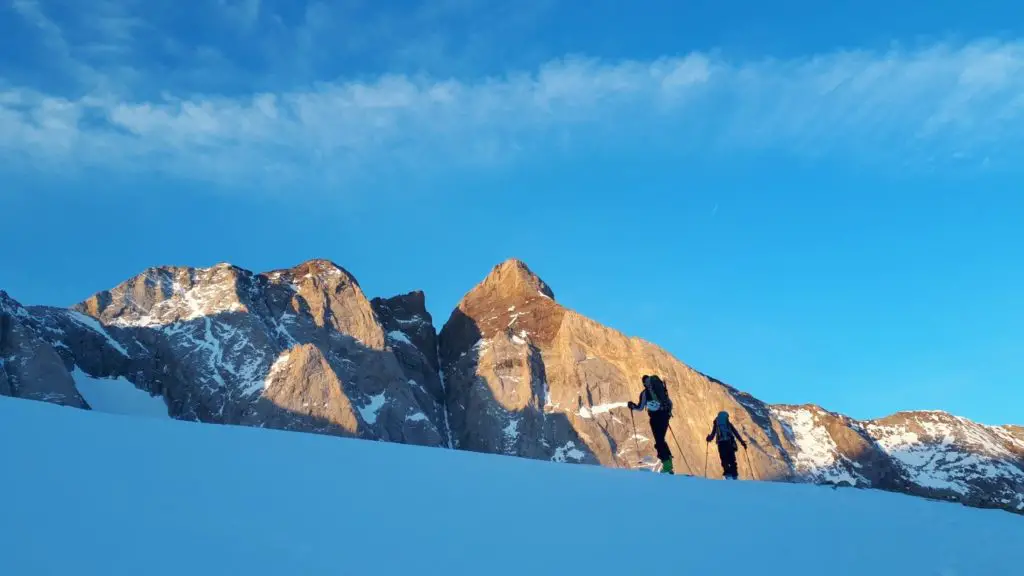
x=29, y=366
x=512, y=372
x=304, y=393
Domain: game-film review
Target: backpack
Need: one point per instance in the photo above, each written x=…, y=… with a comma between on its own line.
x=657, y=395
x=724, y=429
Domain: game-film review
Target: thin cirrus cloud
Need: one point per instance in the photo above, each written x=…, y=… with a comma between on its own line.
x=938, y=103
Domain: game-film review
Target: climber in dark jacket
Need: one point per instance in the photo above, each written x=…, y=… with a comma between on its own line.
x=654, y=398
x=727, y=436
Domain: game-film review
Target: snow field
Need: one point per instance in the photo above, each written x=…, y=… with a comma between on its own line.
x=92, y=493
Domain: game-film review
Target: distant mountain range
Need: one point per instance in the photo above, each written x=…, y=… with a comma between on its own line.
x=511, y=372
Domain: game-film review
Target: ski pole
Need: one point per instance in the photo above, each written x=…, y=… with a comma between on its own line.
x=680, y=448
x=707, y=446
x=747, y=454
x=635, y=441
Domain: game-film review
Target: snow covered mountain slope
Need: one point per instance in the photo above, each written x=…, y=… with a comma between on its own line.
x=928, y=453
x=512, y=372
x=100, y=494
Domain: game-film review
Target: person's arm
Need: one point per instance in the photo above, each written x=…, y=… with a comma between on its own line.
x=738, y=437
x=714, y=431
x=641, y=404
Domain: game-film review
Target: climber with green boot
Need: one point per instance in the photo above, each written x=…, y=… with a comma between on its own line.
x=654, y=398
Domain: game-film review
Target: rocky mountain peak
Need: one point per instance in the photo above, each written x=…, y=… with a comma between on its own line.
x=167, y=294
x=319, y=269
x=9, y=305
x=328, y=294
x=513, y=278
x=406, y=306
x=511, y=303
x=406, y=320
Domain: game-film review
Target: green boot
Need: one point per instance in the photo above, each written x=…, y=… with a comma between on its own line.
x=666, y=466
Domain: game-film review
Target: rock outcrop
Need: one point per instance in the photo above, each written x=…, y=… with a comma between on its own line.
x=512, y=372
x=30, y=367
x=528, y=377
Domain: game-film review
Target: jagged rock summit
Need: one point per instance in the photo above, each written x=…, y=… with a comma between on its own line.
x=514, y=278
x=512, y=372
x=301, y=349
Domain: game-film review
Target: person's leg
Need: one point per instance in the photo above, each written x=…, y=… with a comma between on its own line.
x=659, y=426
x=723, y=456
x=731, y=460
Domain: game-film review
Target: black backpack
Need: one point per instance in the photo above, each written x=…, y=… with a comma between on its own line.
x=660, y=391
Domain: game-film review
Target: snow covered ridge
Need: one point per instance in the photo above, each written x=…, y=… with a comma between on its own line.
x=817, y=456
x=169, y=294
x=930, y=452
x=161, y=296
x=945, y=452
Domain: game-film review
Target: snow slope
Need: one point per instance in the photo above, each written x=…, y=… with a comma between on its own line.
x=118, y=396
x=93, y=493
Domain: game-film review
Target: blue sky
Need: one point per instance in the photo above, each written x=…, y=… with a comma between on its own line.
x=814, y=203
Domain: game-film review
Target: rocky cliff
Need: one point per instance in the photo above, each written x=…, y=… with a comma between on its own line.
x=512, y=372
x=528, y=377
x=30, y=367
x=300, y=349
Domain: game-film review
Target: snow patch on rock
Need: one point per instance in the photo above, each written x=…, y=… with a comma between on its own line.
x=568, y=452
x=817, y=454
x=591, y=411
x=372, y=409
x=94, y=325
x=417, y=417
x=399, y=336
x=512, y=430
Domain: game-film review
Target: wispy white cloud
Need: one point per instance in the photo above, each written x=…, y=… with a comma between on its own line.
x=244, y=13
x=941, y=103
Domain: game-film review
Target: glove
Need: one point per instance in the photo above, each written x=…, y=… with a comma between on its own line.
x=631, y=405
x=708, y=439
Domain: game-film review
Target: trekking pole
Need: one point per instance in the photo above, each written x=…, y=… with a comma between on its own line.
x=680, y=448
x=747, y=454
x=707, y=446
x=635, y=441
